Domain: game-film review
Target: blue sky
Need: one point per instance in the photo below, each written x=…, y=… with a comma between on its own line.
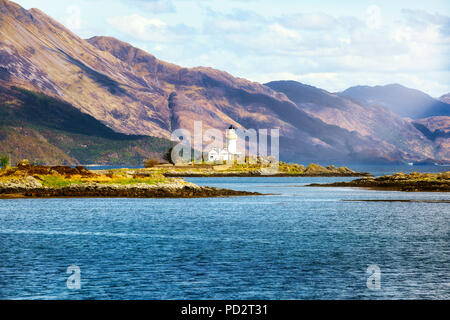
x=329, y=44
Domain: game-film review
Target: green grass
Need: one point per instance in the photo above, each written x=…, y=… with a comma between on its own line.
x=58, y=182
x=131, y=181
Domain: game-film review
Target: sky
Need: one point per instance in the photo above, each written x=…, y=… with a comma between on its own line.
x=328, y=44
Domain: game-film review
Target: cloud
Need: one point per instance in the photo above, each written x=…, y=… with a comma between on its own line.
x=317, y=48
x=151, y=29
x=153, y=6
x=420, y=18
x=74, y=21
x=309, y=21
x=237, y=21
x=137, y=26
x=280, y=31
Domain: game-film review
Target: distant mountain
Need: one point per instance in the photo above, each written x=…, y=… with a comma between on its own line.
x=436, y=129
x=391, y=132
x=403, y=101
x=47, y=130
x=132, y=92
x=445, y=98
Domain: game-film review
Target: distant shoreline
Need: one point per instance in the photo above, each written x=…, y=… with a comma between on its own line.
x=249, y=174
x=413, y=182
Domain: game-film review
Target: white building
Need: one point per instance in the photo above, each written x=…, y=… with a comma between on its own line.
x=229, y=153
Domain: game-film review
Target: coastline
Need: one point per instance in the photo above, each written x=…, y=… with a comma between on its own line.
x=259, y=174
x=29, y=181
x=413, y=182
x=118, y=191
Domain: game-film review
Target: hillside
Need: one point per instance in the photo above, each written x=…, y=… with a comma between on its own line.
x=131, y=91
x=403, y=101
x=445, y=98
x=46, y=130
x=436, y=129
x=391, y=132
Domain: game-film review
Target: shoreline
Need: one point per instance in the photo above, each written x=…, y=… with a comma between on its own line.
x=259, y=174
x=30, y=181
x=413, y=182
x=114, y=191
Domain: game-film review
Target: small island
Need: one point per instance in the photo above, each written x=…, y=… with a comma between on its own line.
x=256, y=169
x=36, y=181
x=413, y=182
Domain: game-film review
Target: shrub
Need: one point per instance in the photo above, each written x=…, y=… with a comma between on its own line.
x=150, y=163
x=4, y=160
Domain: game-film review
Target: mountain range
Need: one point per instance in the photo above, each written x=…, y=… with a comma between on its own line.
x=403, y=101
x=130, y=94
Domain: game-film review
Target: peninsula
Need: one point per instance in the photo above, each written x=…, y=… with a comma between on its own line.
x=35, y=181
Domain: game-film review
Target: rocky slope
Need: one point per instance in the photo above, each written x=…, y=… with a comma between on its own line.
x=394, y=136
x=436, y=129
x=132, y=92
x=47, y=130
x=445, y=98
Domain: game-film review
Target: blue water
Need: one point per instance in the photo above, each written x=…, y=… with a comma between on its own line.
x=298, y=243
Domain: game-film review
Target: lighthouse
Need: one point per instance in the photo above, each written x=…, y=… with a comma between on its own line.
x=230, y=152
x=231, y=140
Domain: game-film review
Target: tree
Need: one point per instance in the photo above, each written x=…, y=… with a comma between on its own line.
x=4, y=160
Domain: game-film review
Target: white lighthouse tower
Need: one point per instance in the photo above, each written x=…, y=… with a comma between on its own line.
x=230, y=152
x=231, y=140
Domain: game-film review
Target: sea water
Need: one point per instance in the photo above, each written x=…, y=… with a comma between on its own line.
x=296, y=243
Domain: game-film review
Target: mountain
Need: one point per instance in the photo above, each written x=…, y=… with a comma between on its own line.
x=445, y=98
x=47, y=130
x=403, y=101
x=436, y=129
x=133, y=92
x=390, y=131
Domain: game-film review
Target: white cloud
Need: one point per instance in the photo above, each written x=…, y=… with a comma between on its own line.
x=138, y=26
x=308, y=21
x=74, y=21
x=281, y=31
x=153, y=6
x=316, y=48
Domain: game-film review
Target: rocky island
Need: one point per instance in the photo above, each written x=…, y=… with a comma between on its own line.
x=437, y=182
x=36, y=181
x=258, y=170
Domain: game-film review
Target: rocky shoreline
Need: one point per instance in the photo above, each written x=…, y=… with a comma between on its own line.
x=27, y=181
x=413, y=182
x=120, y=191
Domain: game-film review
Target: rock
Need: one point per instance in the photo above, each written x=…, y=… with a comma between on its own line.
x=315, y=168
x=23, y=163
